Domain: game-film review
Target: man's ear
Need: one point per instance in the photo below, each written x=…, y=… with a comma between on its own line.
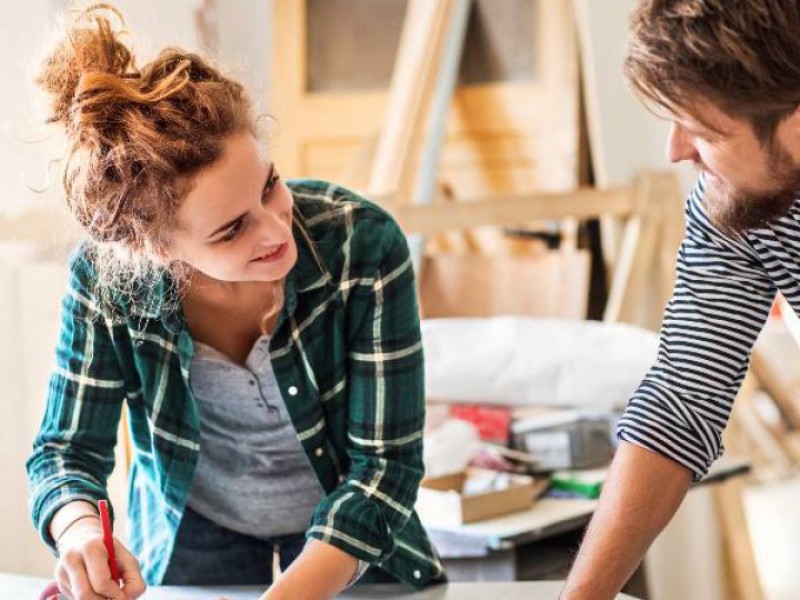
x=793, y=122
x=788, y=132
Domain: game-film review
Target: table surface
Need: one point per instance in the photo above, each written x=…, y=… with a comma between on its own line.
x=546, y=518
x=18, y=587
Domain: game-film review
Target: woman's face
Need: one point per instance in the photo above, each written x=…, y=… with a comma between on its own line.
x=236, y=222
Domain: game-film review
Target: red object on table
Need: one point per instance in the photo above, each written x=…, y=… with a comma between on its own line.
x=108, y=539
x=493, y=422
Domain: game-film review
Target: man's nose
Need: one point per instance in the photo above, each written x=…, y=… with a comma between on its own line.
x=680, y=146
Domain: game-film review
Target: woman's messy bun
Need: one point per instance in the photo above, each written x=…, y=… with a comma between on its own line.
x=91, y=50
x=137, y=136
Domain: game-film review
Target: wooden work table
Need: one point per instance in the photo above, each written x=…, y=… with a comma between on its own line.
x=23, y=588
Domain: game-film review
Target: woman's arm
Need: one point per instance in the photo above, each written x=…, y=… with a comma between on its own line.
x=320, y=572
x=360, y=519
x=74, y=451
x=385, y=404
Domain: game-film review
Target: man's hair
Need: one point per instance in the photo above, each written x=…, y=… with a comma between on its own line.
x=741, y=55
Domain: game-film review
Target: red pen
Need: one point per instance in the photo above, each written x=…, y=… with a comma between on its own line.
x=108, y=539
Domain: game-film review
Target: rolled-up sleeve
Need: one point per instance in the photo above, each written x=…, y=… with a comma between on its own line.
x=385, y=414
x=73, y=453
x=721, y=300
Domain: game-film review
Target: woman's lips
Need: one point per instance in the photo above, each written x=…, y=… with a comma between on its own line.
x=274, y=255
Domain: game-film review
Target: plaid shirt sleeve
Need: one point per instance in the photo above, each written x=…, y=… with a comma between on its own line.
x=385, y=412
x=73, y=453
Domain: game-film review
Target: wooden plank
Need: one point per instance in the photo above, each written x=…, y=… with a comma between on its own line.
x=512, y=210
x=781, y=391
x=742, y=580
x=624, y=137
x=430, y=155
x=442, y=99
x=644, y=276
x=417, y=64
x=790, y=319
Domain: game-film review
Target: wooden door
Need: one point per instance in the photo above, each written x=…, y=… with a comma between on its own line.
x=514, y=122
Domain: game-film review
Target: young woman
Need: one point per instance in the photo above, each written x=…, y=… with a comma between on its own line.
x=264, y=335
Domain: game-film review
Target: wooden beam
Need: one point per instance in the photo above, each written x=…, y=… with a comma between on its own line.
x=742, y=581
x=418, y=58
x=512, y=210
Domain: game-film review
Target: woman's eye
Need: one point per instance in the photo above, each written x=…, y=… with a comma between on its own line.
x=232, y=232
x=273, y=181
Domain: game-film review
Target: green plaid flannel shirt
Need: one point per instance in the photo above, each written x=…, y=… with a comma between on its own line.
x=347, y=356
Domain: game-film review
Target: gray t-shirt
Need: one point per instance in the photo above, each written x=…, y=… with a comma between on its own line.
x=252, y=475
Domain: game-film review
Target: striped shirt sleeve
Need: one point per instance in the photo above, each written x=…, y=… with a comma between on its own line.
x=721, y=300
x=385, y=413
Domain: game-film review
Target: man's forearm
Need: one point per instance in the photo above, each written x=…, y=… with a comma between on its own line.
x=642, y=493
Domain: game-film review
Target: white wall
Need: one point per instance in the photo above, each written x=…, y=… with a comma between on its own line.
x=27, y=30
x=22, y=163
x=625, y=136
x=244, y=38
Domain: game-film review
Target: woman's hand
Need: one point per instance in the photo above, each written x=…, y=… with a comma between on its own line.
x=82, y=571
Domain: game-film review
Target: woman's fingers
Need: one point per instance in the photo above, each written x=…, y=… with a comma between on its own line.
x=62, y=579
x=80, y=587
x=133, y=584
x=99, y=575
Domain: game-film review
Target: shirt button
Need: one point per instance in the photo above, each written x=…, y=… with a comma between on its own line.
x=319, y=451
x=293, y=391
x=417, y=574
x=252, y=382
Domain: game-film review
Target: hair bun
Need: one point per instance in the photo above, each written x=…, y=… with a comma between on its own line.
x=91, y=48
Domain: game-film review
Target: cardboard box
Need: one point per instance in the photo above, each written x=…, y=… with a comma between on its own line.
x=469, y=496
x=552, y=284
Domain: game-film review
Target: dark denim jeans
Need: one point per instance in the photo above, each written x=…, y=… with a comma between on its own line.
x=207, y=554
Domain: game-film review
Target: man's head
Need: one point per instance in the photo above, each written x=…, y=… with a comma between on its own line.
x=728, y=74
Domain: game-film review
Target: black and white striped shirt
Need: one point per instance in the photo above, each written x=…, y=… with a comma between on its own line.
x=724, y=290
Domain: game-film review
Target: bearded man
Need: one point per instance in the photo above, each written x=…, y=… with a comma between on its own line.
x=727, y=75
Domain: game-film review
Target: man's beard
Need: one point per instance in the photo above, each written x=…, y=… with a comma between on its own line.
x=736, y=210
